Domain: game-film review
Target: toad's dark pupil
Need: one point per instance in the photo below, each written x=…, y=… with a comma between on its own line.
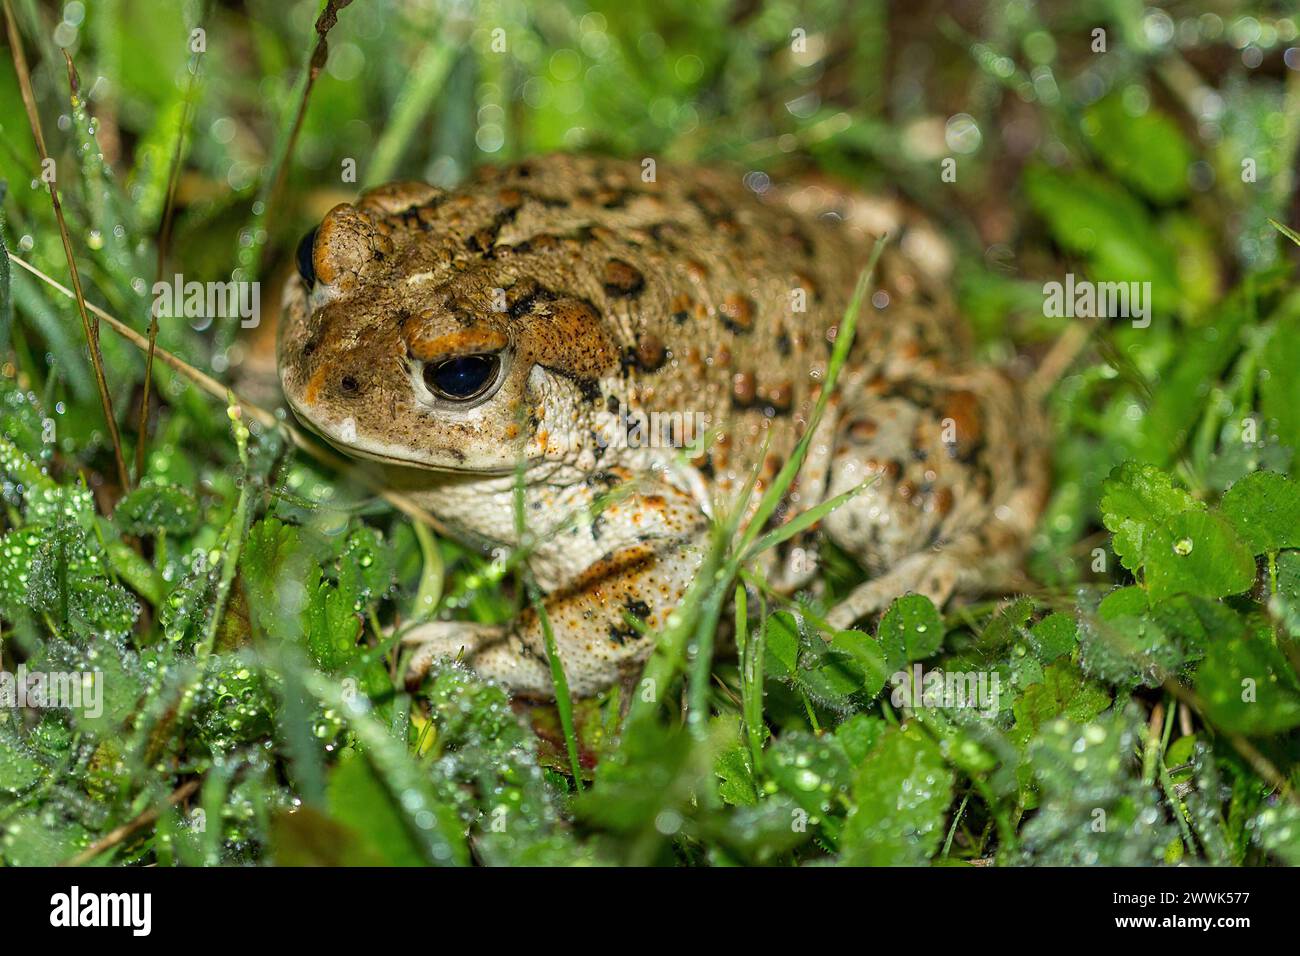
x=306, y=268
x=461, y=378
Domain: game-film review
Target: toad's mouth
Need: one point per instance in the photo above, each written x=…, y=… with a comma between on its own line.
x=357, y=447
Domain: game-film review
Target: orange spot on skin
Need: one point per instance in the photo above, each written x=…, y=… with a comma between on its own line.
x=963, y=407
x=314, y=384
x=738, y=312
x=462, y=342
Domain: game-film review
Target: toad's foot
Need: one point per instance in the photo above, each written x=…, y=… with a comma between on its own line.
x=457, y=640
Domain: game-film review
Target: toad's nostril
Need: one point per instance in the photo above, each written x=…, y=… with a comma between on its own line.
x=349, y=385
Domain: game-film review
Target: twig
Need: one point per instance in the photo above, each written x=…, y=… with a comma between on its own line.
x=90, y=329
x=164, y=241
x=1058, y=359
x=268, y=419
x=329, y=16
x=117, y=835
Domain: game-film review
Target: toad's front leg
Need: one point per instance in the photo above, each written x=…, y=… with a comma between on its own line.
x=657, y=543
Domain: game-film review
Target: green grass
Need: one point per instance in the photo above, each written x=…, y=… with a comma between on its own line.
x=237, y=596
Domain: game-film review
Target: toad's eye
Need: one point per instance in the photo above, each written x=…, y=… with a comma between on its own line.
x=306, y=268
x=462, y=378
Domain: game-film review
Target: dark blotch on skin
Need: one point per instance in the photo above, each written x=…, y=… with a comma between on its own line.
x=680, y=308
x=651, y=353
x=737, y=312
x=861, y=430
x=622, y=632
x=781, y=397
x=744, y=389
x=622, y=279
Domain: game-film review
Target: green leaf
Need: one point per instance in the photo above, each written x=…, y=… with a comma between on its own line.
x=1264, y=509
x=901, y=794
x=1279, y=387
x=1285, y=604
x=1090, y=215
x=1063, y=692
x=332, y=618
x=431, y=822
x=1008, y=626
x=1123, y=602
x=1277, y=830
x=23, y=422
x=736, y=787
x=19, y=768
x=852, y=663
x=1197, y=553
x=40, y=838
x=155, y=507
x=59, y=570
x=1054, y=636
x=813, y=771
x=1093, y=808
x=1135, y=499
x=1194, y=622
x=308, y=837
x=858, y=736
x=373, y=560
x=291, y=599
x=1147, y=151
x=1247, y=686
x=119, y=683
x=910, y=630
x=781, y=642
x=1127, y=650
x=267, y=555
x=358, y=799
x=1203, y=354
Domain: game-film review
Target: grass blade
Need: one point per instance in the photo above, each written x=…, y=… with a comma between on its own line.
x=164, y=242
x=90, y=329
x=250, y=255
x=1286, y=231
x=207, y=383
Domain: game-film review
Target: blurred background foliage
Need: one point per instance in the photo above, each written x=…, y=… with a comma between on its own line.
x=236, y=598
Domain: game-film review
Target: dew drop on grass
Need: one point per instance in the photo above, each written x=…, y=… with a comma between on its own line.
x=807, y=780
x=1183, y=546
